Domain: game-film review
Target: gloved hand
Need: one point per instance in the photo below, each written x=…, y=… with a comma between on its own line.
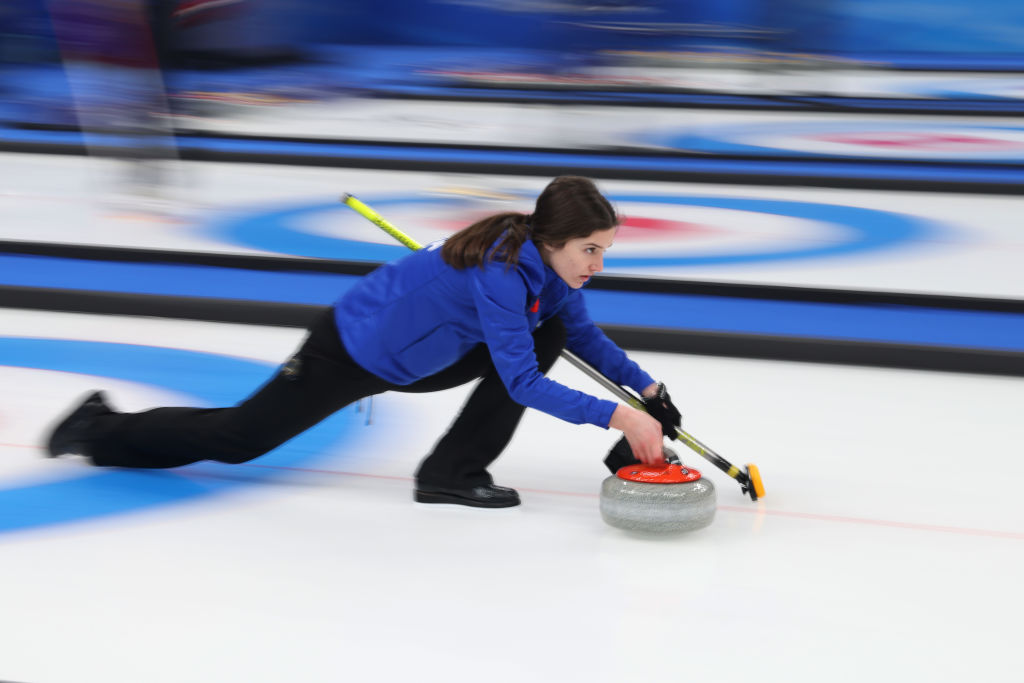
x=661, y=408
x=621, y=455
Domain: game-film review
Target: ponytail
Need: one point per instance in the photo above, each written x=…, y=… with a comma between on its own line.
x=471, y=246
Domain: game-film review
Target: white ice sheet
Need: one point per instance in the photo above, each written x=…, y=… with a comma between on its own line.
x=889, y=545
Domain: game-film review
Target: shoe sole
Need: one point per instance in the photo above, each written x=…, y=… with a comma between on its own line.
x=427, y=497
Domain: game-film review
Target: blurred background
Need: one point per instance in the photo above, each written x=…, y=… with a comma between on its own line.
x=787, y=154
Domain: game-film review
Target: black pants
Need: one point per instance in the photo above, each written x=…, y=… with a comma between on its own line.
x=320, y=379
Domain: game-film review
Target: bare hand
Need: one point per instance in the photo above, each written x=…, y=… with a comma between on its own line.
x=642, y=432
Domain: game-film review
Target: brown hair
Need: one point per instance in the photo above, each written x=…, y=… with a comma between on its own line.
x=569, y=207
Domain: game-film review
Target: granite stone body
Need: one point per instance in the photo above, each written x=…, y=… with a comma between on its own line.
x=657, y=508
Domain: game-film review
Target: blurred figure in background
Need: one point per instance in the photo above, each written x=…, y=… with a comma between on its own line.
x=113, y=66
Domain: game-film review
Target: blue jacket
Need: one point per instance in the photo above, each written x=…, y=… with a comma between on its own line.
x=416, y=316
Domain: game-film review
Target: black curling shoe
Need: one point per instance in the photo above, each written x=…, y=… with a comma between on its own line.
x=66, y=438
x=484, y=496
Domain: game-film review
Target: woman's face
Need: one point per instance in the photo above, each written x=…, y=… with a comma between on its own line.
x=579, y=258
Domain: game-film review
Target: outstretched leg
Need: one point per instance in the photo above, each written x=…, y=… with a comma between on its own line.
x=320, y=379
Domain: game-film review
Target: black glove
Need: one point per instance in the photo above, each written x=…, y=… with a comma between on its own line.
x=661, y=408
x=621, y=455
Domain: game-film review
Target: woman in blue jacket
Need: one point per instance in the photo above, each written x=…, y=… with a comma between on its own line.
x=498, y=301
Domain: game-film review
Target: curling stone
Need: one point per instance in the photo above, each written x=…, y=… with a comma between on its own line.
x=657, y=499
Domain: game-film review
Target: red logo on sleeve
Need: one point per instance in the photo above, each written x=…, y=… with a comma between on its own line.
x=536, y=306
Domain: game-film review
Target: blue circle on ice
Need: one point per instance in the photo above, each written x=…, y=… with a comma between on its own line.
x=851, y=229
x=877, y=140
x=210, y=378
